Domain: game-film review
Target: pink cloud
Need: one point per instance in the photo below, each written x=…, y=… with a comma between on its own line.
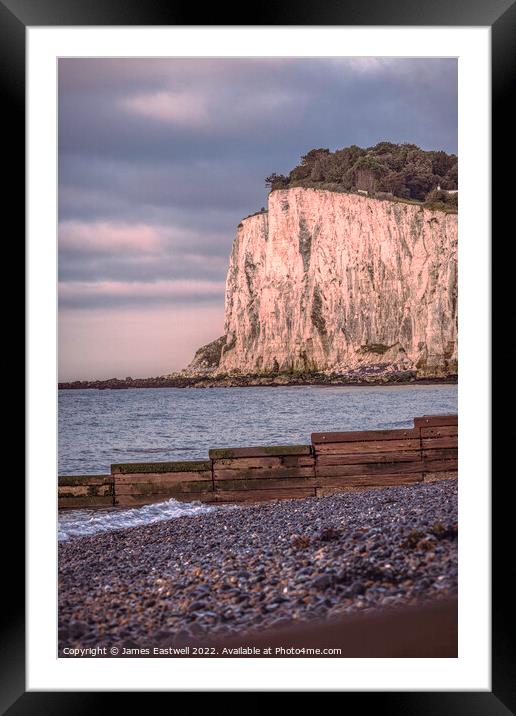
x=102, y=236
x=182, y=288
x=184, y=108
x=201, y=109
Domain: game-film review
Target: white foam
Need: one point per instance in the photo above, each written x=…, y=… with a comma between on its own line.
x=81, y=523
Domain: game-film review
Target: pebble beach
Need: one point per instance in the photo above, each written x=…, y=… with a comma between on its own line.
x=237, y=570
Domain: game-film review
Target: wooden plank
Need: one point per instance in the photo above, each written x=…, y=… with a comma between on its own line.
x=298, y=460
x=373, y=457
x=84, y=502
x=431, y=420
x=150, y=488
x=354, y=436
x=387, y=480
x=440, y=454
x=267, y=473
x=435, y=476
x=433, y=443
x=263, y=462
x=439, y=432
x=70, y=480
x=368, y=446
x=264, y=495
x=265, y=484
x=153, y=467
x=368, y=468
x=169, y=478
x=260, y=451
x=65, y=491
x=440, y=465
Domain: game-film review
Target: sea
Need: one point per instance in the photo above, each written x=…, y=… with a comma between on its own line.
x=101, y=427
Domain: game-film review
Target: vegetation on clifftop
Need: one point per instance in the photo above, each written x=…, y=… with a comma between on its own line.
x=386, y=171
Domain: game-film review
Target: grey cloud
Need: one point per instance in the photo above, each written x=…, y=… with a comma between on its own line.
x=237, y=94
x=187, y=144
x=91, y=267
x=106, y=302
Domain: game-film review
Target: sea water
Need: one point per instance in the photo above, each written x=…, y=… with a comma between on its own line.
x=101, y=427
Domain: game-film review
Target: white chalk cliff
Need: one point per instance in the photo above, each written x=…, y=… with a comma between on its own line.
x=334, y=281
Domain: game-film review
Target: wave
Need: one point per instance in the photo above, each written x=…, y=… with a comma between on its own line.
x=83, y=523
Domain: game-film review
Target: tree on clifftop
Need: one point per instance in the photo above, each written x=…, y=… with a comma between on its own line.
x=276, y=181
x=401, y=170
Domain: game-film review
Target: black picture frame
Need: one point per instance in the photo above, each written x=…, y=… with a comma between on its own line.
x=500, y=16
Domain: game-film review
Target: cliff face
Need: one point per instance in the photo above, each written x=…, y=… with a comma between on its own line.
x=340, y=281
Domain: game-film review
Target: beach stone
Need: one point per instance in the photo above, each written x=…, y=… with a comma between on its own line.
x=329, y=534
x=235, y=570
x=357, y=588
x=196, y=606
x=77, y=629
x=322, y=582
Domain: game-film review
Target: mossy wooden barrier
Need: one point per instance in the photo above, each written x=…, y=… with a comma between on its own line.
x=142, y=483
x=333, y=462
x=263, y=473
x=375, y=458
x=86, y=491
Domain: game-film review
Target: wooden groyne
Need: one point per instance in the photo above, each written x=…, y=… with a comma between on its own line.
x=332, y=462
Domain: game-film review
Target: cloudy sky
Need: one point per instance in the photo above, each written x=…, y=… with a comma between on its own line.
x=160, y=159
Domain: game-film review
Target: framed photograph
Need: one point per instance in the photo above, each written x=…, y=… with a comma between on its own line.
x=258, y=302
